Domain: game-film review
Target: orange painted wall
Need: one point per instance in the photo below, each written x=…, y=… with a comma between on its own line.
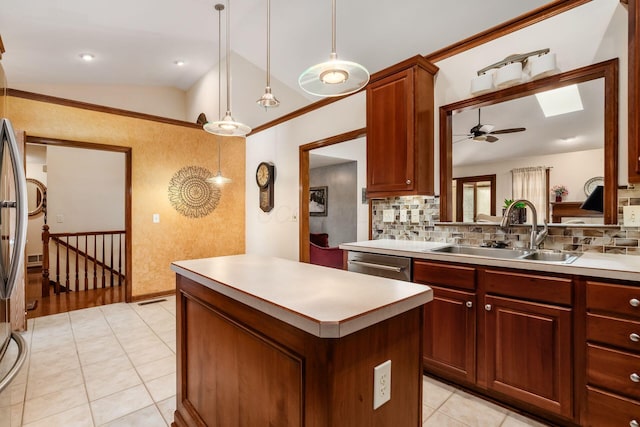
x=158, y=152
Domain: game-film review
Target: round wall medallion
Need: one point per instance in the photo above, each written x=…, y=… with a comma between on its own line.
x=190, y=193
x=592, y=183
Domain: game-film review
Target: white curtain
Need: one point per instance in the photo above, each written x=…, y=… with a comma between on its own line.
x=531, y=184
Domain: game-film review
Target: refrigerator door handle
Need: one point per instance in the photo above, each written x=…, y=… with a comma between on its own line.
x=22, y=355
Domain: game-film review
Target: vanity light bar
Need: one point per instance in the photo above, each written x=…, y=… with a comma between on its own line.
x=513, y=58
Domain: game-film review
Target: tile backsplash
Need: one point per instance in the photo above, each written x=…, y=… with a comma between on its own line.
x=589, y=238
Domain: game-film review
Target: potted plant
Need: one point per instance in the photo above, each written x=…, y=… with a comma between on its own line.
x=518, y=214
x=559, y=191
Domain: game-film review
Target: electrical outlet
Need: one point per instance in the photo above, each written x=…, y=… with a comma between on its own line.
x=403, y=215
x=631, y=216
x=388, y=215
x=156, y=218
x=381, y=384
x=415, y=215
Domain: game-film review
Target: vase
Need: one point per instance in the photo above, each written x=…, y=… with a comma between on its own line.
x=558, y=198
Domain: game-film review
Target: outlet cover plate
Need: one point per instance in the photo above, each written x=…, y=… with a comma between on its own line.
x=403, y=215
x=415, y=215
x=381, y=384
x=388, y=215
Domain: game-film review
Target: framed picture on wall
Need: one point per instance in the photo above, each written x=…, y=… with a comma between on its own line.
x=318, y=201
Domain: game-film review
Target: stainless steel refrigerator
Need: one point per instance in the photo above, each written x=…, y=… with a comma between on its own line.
x=13, y=227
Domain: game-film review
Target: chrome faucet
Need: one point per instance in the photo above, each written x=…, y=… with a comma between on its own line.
x=536, y=238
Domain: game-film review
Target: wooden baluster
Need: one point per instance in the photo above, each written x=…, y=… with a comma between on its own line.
x=120, y=259
x=57, y=266
x=86, y=264
x=95, y=263
x=77, y=250
x=103, y=263
x=45, y=260
x=66, y=284
x=111, y=264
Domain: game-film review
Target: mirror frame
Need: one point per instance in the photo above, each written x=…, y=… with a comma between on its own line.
x=606, y=69
x=43, y=190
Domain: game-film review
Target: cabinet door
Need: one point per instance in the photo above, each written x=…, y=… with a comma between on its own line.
x=450, y=334
x=528, y=352
x=390, y=133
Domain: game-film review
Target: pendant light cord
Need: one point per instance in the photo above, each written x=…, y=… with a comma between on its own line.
x=229, y=56
x=333, y=27
x=268, y=43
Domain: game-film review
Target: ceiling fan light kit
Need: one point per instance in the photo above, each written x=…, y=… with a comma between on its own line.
x=334, y=77
x=514, y=69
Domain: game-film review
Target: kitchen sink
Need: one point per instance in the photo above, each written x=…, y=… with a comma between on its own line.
x=502, y=253
x=481, y=251
x=562, y=257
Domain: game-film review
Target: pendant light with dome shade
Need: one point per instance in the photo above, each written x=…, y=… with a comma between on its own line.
x=334, y=77
x=227, y=126
x=268, y=100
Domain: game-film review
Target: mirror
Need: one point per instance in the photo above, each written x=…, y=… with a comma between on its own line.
x=516, y=107
x=36, y=192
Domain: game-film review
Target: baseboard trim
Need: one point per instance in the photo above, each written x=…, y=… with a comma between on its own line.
x=142, y=297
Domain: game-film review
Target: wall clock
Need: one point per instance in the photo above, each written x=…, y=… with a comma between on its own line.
x=265, y=177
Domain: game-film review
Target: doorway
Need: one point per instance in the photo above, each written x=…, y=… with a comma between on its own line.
x=86, y=216
x=304, y=153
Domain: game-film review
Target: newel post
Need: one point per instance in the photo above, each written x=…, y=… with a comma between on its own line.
x=45, y=260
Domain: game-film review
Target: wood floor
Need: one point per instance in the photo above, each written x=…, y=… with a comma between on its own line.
x=54, y=304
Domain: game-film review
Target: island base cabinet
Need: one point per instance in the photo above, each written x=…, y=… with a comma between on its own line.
x=528, y=352
x=237, y=366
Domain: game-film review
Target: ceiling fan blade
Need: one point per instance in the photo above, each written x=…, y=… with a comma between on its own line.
x=460, y=140
x=487, y=128
x=512, y=130
x=491, y=138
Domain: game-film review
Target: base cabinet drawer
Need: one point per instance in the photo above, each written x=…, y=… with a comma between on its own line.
x=608, y=410
x=614, y=331
x=613, y=370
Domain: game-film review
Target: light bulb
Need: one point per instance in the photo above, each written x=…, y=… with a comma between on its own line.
x=334, y=76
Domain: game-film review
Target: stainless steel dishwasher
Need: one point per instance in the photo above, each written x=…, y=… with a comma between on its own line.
x=390, y=266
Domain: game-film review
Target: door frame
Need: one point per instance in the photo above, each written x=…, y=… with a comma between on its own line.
x=304, y=183
x=127, y=192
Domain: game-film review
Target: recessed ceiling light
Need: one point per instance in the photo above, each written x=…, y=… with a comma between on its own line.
x=179, y=63
x=560, y=101
x=87, y=57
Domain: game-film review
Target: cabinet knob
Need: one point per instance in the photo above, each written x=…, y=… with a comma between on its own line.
x=634, y=337
x=469, y=304
x=408, y=181
x=634, y=302
x=635, y=377
x=634, y=423
x=487, y=307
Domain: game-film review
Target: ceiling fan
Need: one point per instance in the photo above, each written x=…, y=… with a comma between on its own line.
x=482, y=132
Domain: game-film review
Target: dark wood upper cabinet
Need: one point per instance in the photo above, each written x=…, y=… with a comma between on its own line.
x=400, y=130
x=634, y=91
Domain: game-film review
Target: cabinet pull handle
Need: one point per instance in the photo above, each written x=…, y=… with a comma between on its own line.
x=469, y=304
x=634, y=337
x=487, y=307
x=635, y=377
x=634, y=423
x=634, y=302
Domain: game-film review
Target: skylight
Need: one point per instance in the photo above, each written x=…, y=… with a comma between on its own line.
x=560, y=101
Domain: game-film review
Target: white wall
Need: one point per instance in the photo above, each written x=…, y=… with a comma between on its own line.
x=87, y=188
x=588, y=34
x=155, y=100
x=355, y=149
x=276, y=233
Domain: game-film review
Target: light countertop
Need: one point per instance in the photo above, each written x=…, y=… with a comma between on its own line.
x=606, y=266
x=325, y=302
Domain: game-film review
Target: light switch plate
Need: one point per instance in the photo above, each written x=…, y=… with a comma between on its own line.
x=388, y=215
x=415, y=215
x=403, y=215
x=631, y=216
x=156, y=218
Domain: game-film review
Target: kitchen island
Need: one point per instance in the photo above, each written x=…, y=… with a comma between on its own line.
x=268, y=341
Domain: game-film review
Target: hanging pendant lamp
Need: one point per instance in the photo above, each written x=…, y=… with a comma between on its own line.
x=227, y=126
x=334, y=77
x=267, y=100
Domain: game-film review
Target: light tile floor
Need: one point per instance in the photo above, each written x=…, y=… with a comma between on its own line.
x=115, y=366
